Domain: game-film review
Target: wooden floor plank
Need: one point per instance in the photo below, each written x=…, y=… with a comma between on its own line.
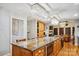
x=68, y=50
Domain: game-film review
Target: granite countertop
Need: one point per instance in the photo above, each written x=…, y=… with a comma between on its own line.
x=36, y=43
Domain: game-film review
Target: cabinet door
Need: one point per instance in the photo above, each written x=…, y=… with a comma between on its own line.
x=15, y=51
x=49, y=49
x=25, y=52
x=59, y=45
x=55, y=48
x=41, y=26
x=41, y=34
x=39, y=52
x=41, y=29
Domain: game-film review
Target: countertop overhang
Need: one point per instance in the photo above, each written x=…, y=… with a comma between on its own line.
x=37, y=43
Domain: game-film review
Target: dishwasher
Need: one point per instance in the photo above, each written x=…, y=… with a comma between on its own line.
x=49, y=48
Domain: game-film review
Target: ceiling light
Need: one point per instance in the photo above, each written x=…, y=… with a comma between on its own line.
x=76, y=14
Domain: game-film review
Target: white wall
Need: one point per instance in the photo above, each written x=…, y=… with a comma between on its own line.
x=6, y=28
x=4, y=31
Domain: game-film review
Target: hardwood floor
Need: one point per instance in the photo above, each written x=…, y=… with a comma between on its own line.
x=68, y=50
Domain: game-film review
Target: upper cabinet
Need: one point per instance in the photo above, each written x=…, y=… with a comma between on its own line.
x=40, y=29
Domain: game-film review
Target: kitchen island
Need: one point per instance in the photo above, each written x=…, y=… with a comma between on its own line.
x=38, y=47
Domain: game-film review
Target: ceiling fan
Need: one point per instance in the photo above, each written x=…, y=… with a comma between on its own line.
x=66, y=22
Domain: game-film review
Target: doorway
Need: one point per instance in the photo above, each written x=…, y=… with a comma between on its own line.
x=70, y=35
x=68, y=31
x=61, y=31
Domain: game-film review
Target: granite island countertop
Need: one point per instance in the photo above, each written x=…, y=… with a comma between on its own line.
x=36, y=43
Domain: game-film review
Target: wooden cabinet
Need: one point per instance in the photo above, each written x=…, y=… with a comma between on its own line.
x=39, y=52
x=49, y=49
x=59, y=45
x=40, y=29
x=25, y=52
x=15, y=51
x=18, y=51
x=41, y=26
x=56, y=47
x=46, y=50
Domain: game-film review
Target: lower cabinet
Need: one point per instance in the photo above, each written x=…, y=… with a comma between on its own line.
x=18, y=51
x=15, y=51
x=57, y=47
x=50, y=49
x=25, y=52
x=39, y=52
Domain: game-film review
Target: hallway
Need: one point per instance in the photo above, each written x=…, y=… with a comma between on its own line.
x=68, y=50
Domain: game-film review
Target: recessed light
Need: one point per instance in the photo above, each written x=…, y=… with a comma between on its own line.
x=76, y=14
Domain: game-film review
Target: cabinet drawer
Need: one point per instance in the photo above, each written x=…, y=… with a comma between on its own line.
x=39, y=52
x=15, y=51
